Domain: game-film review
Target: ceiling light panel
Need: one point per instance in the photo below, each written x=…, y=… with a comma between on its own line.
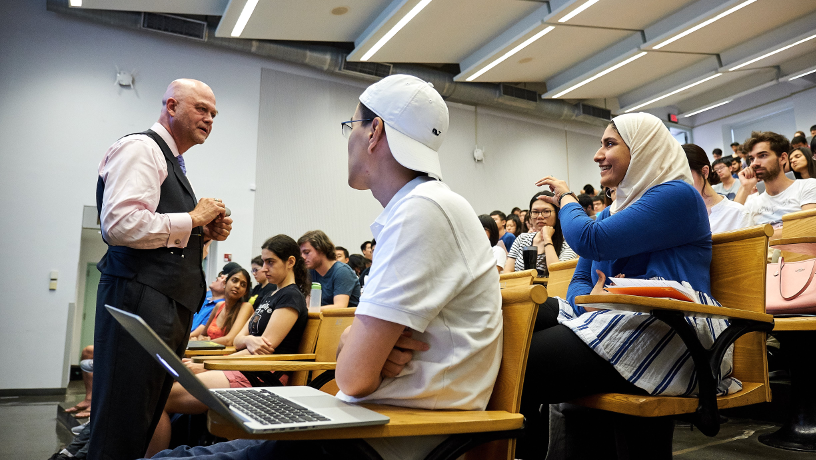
x=799, y=75
x=433, y=37
x=733, y=29
x=790, y=46
x=691, y=114
x=299, y=20
x=705, y=23
x=578, y=10
x=559, y=50
x=621, y=14
x=672, y=93
x=635, y=74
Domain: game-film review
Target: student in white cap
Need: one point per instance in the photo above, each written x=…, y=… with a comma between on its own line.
x=428, y=328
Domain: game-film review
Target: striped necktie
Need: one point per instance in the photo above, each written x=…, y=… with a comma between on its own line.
x=181, y=164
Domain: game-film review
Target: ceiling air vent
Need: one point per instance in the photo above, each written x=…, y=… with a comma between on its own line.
x=597, y=112
x=519, y=93
x=374, y=69
x=174, y=25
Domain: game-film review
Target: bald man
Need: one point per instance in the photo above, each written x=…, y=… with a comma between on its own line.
x=155, y=230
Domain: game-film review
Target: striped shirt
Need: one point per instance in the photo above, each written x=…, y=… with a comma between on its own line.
x=526, y=239
x=646, y=351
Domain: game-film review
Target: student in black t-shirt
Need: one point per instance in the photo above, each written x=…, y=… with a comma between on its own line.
x=276, y=327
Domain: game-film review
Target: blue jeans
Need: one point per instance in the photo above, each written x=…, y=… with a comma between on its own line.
x=251, y=449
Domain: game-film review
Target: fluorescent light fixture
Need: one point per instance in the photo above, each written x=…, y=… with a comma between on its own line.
x=674, y=92
x=249, y=8
x=75, y=3
x=506, y=55
x=802, y=75
x=601, y=74
x=703, y=24
x=397, y=27
x=772, y=53
x=578, y=10
x=686, y=115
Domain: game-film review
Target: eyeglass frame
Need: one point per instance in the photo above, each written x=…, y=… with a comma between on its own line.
x=541, y=213
x=343, y=125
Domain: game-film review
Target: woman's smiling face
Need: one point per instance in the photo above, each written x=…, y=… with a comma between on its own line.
x=613, y=158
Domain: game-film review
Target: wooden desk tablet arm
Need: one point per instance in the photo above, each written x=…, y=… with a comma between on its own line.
x=707, y=361
x=281, y=357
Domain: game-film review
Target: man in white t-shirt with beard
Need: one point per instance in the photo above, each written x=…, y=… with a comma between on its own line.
x=769, y=152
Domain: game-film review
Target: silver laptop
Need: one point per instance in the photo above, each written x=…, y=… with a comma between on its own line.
x=259, y=409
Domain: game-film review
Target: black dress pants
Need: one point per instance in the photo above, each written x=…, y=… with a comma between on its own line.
x=130, y=387
x=560, y=367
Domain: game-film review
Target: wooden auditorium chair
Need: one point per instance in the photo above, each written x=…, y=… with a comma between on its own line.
x=738, y=283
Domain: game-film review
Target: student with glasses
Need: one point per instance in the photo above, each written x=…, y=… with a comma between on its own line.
x=545, y=234
x=728, y=185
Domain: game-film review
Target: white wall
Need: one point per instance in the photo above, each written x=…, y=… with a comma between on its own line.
x=60, y=111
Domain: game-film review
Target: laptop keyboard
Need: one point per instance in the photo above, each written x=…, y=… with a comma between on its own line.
x=269, y=408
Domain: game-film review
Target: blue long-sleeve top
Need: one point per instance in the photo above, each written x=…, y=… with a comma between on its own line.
x=665, y=233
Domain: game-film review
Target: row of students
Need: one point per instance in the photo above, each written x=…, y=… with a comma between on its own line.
x=275, y=327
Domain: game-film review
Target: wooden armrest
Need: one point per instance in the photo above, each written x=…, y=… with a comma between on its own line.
x=799, y=245
x=404, y=422
x=795, y=323
x=221, y=352
x=647, y=304
x=272, y=366
x=292, y=357
x=541, y=280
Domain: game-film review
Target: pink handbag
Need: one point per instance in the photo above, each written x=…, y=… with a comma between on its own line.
x=790, y=288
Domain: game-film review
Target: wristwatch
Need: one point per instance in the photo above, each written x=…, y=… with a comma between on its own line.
x=561, y=197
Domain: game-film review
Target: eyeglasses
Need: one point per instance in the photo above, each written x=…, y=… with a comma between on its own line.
x=721, y=168
x=255, y=270
x=544, y=213
x=345, y=127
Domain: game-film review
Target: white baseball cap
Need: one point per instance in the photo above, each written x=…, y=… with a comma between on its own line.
x=416, y=120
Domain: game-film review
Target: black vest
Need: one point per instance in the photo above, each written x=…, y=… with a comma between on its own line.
x=175, y=272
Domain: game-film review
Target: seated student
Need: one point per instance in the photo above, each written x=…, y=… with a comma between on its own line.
x=716, y=154
x=234, y=310
x=340, y=286
x=802, y=163
x=357, y=263
x=515, y=211
x=588, y=190
x=598, y=203
x=728, y=185
x=83, y=408
x=546, y=236
x=723, y=214
x=342, y=254
x=769, y=152
x=798, y=141
x=588, y=205
x=214, y=296
x=492, y=232
x=736, y=167
x=264, y=287
x=513, y=226
x=433, y=280
x=276, y=327
x=524, y=216
x=656, y=227
x=501, y=222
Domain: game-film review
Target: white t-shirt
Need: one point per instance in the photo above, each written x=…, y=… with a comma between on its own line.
x=500, y=255
x=766, y=209
x=435, y=273
x=728, y=215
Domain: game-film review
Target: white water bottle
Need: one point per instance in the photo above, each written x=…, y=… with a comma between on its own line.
x=315, y=298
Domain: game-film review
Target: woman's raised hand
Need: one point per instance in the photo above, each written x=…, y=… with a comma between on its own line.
x=557, y=186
